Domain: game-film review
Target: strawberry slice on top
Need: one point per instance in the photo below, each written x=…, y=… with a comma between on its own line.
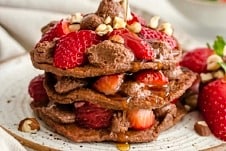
x=70, y=49
x=141, y=49
x=155, y=35
x=58, y=30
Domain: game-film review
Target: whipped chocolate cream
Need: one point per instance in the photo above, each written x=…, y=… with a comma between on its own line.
x=109, y=54
x=110, y=8
x=44, y=52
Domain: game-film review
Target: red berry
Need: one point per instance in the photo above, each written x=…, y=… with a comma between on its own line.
x=212, y=104
x=92, y=116
x=151, y=77
x=136, y=18
x=155, y=35
x=141, y=49
x=36, y=89
x=60, y=29
x=141, y=119
x=196, y=59
x=70, y=49
x=109, y=84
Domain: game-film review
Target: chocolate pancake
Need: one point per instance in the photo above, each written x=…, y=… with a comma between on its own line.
x=166, y=117
x=119, y=102
x=42, y=58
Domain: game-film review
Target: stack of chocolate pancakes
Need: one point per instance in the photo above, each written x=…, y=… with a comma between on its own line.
x=120, y=92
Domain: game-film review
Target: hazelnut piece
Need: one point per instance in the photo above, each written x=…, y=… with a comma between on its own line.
x=29, y=125
x=202, y=128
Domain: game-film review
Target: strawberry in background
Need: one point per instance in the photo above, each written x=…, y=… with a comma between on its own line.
x=210, y=63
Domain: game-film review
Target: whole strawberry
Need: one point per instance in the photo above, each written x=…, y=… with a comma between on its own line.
x=37, y=91
x=196, y=60
x=70, y=49
x=212, y=104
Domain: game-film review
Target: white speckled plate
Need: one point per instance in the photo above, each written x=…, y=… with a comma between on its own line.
x=14, y=78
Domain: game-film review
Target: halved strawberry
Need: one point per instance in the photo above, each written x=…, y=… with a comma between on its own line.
x=92, y=116
x=151, y=77
x=70, y=49
x=109, y=84
x=155, y=35
x=60, y=29
x=141, y=119
x=141, y=49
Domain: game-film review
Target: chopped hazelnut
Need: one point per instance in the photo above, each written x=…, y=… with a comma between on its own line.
x=213, y=62
x=205, y=77
x=154, y=22
x=108, y=20
x=117, y=38
x=29, y=125
x=76, y=18
x=119, y=23
x=135, y=27
x=103, y=29
x=218, y=74
x=202, y=128
x=166, y=28
x=74, y=27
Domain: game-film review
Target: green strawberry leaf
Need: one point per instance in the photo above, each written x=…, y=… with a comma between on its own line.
x=219, y=45
x=223, y=66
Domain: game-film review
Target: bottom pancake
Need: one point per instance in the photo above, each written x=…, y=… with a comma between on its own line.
x=165, y=117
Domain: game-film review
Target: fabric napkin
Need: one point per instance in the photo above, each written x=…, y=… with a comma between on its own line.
x=8, y=143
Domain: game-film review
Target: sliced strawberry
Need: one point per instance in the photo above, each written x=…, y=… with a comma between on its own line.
x=136, y=18
x=155, y=35
x=141, y=119
x=91, y=116
x=70, y=49
x=151, y=77
x=212, y=104
x=196, y=60
x=60, y=29
x=109, y=84
x=141, y=49
x=36, y=90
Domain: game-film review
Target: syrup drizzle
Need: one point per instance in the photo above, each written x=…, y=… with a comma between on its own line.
x=123, y=146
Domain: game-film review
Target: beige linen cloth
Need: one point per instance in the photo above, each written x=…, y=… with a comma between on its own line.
x=21, y=20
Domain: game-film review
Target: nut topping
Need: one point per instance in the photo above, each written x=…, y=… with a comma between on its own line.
x=154, y=22
x=212, y=62
x=202, y=128
x=119, y=23
x=29, y=125
x=135, y=27
x=166, y=28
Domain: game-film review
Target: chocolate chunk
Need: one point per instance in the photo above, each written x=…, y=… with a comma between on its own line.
x=109, y=54
x=202, y=128
x=91, y=22
x=110, y=8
